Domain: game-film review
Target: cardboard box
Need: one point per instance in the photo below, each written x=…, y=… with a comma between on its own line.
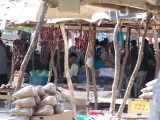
x=67, y=115
x=139, y=107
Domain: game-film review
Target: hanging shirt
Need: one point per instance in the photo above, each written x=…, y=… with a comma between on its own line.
x=107, y=72
x=3, y=63
x=73, y=71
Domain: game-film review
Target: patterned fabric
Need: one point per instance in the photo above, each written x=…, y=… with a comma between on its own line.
x=3, y=62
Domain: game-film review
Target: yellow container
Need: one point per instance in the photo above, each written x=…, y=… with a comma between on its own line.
x=16, y=75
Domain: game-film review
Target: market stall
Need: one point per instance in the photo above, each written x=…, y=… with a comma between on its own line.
x=51, y=37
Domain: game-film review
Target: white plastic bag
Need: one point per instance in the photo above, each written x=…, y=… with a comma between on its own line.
x=28, y=91
x=37, y=100
x=22, y=111
x=19, y=118
x=151, y=83
x=40, y=90
x=90, y=60
x=148, y=95
x=45, y=95
x=50, y=100
x=58, y=108
x=50, y=88
x=57, y=95
x=147, y=89
x=25, y=102
x=45, y=110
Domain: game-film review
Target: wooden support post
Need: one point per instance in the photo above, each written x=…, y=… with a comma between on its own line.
x=32, y=46
x=87, y=71
x=70, y=85
x=33, y=68
x=52, y=57
x=117, y=65
x=92, y=36
x=156, y=45
x=53, y=65
x=124, y=61
x=12, y=73
x=58, y=62
x=140, y=57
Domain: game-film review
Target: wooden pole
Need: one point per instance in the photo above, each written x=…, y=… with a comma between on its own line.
x=33, y=68
x=32, y=46
x=12, y=73
x=58, y=62
x=92, y=36
x=140, y=57
x=157, y=52
x=52, y=56
x=87, y=71
x=53, y=65
x=117, y=65
x=70, y=85
x=50, y=64
x=124, y=61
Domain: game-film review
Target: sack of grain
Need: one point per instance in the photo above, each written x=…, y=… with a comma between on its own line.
x=25, y=102
x=40, y=90
x=148, y=95
x=37, y=100
x=22, y=111
x=50, y=88
x=45, y=110
x=57, y=95
x=147, y=89
x=151, y=83
x=50, y=100
x=45, y=95
x=19, y=118
x=28, y=91
x=58, y=108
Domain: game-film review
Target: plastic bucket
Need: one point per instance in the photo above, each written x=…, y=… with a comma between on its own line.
x=35, y=80
x=99, y=64
x=16, y=75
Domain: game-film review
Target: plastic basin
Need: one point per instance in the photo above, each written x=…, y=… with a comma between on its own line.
x=35, y=80
x=81, y=117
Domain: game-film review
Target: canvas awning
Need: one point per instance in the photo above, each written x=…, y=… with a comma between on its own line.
x=86, y=12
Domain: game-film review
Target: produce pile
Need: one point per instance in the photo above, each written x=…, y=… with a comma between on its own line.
x=39, y=73
x=147, y=92
x=38, y=101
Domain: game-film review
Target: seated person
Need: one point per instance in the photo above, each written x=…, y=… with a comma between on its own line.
x=73, y=68
x=106, y=75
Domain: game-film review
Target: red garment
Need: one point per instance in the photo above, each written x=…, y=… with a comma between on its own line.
x=107, y=49
x=128, y=62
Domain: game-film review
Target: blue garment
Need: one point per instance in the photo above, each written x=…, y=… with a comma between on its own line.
x=105, y=80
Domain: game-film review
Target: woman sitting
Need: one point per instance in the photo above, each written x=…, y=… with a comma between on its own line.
x=105, y=76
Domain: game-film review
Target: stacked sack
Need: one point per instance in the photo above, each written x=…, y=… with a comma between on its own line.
x=147, y=92
x=36, y=101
